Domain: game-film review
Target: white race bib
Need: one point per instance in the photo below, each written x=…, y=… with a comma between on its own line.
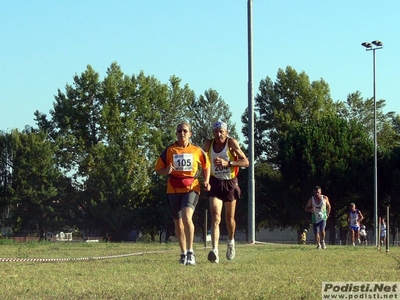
x=183, y=162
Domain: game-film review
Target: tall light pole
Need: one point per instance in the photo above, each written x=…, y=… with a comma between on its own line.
x=251, y=192
x=375, y=45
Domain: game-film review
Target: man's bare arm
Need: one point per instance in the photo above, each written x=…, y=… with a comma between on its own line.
x=242, y=159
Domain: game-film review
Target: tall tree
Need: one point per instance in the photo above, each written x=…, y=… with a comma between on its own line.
x=74, y=123
x=34, y=180
x=116, y=185
x=269, y=191
x=109, y=134
x=389, y=186
x=362, y=110
x=333, y=153
x=207, y=110
x=290, y=101
x=6, y=157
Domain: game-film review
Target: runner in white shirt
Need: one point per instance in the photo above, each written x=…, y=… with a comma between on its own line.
x=354, y=218
x=320, y=208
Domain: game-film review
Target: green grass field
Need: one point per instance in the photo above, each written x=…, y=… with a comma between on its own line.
x=151, y=271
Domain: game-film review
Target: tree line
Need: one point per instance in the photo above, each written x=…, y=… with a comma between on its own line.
x=88, y=164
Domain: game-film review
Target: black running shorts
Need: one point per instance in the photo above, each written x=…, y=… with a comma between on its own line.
x=226, y=190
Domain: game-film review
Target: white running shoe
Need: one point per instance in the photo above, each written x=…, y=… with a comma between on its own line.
x=230, y=251
x=323, y=245
x=213, y=256
x=190, y=258
x=319, y=246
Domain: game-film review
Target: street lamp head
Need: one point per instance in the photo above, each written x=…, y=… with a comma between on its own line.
x=377, y=43
x=367, y=45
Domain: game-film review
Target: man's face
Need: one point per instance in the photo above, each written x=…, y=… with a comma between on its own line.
x=317, y=193
x=220, y=134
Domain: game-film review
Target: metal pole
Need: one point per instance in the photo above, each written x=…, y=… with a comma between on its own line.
x=374, y=46
x=387, y=228
x=251, y=194
x=379, y=232
x=375, y=161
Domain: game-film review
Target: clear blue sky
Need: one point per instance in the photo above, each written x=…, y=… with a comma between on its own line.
x=45, y=43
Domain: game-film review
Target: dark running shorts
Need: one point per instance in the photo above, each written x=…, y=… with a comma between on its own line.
x=318, y=227
x=226, y=190
x=181, y=200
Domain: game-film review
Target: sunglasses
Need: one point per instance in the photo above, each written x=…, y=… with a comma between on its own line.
x=182, y=130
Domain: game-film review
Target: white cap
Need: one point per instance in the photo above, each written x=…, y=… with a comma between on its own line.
x=220, y=125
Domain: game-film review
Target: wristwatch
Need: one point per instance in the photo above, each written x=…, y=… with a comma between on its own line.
x=231, y=163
